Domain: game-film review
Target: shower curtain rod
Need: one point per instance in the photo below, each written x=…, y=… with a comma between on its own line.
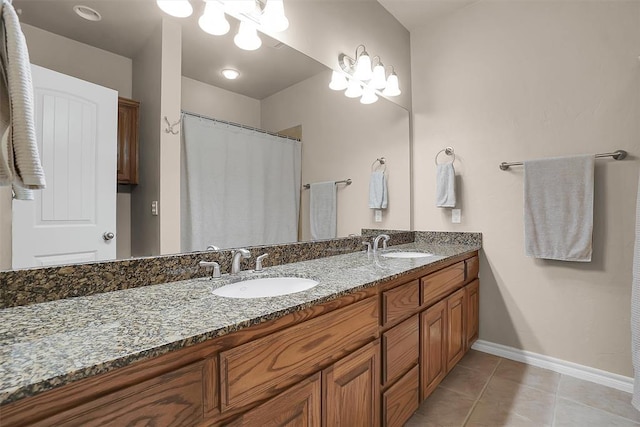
x=200, y=116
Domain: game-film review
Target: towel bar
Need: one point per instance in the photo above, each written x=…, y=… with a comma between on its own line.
x=347, y=181
x=617, y=155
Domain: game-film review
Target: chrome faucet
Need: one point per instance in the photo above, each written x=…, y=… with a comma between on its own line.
x=385, y=238
x=214, y=266
x=259, y=261
x=213, y=248
x=235, y=262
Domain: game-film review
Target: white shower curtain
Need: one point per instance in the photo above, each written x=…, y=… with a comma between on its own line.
x=240, y=187
x=635, y=309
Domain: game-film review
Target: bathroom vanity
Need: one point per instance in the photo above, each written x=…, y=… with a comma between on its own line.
x=363, y=348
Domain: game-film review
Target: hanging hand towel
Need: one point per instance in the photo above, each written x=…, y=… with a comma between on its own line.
x=445, y=186
x=378, y=190
x=19, y=159
x=635, y=310
x=558, y=208
x=322, y=205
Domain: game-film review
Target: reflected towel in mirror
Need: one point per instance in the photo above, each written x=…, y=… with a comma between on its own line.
x=323, y=212
x=378, y=190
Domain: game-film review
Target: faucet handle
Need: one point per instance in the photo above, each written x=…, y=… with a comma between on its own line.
x=368, y=245
x=384, y=243
x=211, y=264
x=259, y=261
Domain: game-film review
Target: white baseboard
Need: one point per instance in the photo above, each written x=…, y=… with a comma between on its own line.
x=582, y=372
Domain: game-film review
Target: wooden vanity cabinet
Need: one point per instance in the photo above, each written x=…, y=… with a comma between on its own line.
x=128, y=112
x=365, y=359
x=298, y=406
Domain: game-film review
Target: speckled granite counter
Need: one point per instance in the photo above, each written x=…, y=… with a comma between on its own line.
x=44, y=346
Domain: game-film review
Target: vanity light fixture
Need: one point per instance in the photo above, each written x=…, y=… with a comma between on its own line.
x=267, y=15
x=230, y=73
x=359, y=79
x=177, y=8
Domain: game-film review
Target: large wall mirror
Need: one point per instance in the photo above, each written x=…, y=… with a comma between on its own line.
x=278, y=90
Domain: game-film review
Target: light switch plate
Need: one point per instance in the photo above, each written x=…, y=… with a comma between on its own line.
x=378, y=216
x=455, y=216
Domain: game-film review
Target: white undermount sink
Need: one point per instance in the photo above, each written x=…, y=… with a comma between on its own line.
x=265, y=287
x=407, y=254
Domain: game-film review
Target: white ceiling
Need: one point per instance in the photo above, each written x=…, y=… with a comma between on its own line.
x=414, y=14
x=126, y=26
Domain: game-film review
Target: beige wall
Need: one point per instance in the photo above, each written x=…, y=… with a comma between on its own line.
x=212, y=101
x=145, y=230
x=341, y=139
x=87, y=63
x=325, y=29
x=170, y=143
x=509, y=81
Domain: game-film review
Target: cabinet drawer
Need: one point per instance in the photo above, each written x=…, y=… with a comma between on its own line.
x=438, y=285
x=399, y=301
x=401, y=400
x=262, y=368
x=400, y=348
x=472, y=266
x=172, y=399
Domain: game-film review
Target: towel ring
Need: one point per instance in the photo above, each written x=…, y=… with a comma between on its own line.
x=449, y=152
x=382, y=161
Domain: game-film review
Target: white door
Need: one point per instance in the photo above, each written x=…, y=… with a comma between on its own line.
x=76, y=126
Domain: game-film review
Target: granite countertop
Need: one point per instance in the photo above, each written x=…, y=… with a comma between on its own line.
x=44, y=346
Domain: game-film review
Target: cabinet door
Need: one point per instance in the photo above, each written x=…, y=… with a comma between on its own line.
x=127, y=141
x=473, y=310
x=298, y=406
x=456, y=319
x=433, y=342
x=351, y=389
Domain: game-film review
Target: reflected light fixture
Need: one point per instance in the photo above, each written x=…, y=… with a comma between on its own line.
x=368, y=95
x=338, y=81
x=213, y=20
x=88, y=13
x=177, y=8
x=264, y=15
x=247, y=37
x=360, y=80
x=230, y=73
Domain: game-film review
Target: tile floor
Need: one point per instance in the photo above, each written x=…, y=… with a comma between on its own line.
x=485, y=390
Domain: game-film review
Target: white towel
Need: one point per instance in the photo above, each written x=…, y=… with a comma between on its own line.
x=378, y=190
x=445, y=186
x=558, y=208
x=322, y=205
x=19, y=159
x=635, y=310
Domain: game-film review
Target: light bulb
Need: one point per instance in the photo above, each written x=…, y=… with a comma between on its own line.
x=230, y=73
x=213, y=20
x=378, y=81
x=273, y=18
x=338, y=81
x=177, y=8
x=392, y=88
x=363, y=67
x=368, y=96
x=354, y=89
x=247, y=37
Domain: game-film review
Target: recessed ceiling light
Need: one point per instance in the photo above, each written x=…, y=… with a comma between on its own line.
x=230, y=73
x=87, y=13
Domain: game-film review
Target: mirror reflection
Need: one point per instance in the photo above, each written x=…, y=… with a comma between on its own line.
x=171, y=66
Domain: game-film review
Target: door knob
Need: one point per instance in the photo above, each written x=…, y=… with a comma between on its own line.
x=108, y=235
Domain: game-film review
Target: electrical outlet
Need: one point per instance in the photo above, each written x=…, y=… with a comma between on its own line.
x=154, y=208
x=455, y=216
x=378, y=216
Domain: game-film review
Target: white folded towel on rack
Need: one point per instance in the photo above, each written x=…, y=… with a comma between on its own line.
x=445, y=185
x=558, y=208
x=378, y=190
x=19, y=158
x=323, y=210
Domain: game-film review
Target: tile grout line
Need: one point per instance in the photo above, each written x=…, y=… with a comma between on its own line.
x=475, y=403
x=600, y=410
x=555, y=402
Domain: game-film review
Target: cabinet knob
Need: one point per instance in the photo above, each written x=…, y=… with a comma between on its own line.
x=108, y=235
